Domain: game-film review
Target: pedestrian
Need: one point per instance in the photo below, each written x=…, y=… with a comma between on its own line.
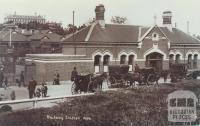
x=6, y=82
x=22, y=82
x=137, y=68
x=74, y=74
x=31, y=88
x=74, y=78
x=38, y=92
x=1, y=77
x=12, y=95
x=44, y=89
x=56, y=78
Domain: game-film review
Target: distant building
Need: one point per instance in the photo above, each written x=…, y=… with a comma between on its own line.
x=15, y=44
x=24, y=19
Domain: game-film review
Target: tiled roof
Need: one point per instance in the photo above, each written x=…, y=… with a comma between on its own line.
x=115, y=33
x=111, y=33
x=16, y=37
x=179, y=37
x=78, y=36
x=127, y=33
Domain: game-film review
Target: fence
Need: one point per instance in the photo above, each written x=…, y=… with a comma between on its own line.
x=36, y=100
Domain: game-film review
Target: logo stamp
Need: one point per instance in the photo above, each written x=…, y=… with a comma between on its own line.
x=182, y=106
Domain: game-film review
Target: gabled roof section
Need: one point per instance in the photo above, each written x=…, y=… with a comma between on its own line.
x=111, y=33
x=149, y=30
x=115, y=33
x=177, y=36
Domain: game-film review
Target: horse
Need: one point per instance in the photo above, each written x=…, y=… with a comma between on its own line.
x=97, y=82
x=134, y=77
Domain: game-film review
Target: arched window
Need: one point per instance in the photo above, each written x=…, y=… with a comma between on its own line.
x=97, y=62
x=171, y=59
x=178, y=58
x=195, y=61
x=106, y=60
x=122, y=59
x=130, y=62
x=189, y=61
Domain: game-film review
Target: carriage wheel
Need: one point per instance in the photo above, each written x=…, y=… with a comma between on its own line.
x=151, y=79
x=73, y=89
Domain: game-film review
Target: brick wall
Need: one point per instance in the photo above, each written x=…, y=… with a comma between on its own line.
x=45, y=71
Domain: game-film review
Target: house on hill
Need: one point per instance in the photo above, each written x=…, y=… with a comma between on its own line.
x=100, y=44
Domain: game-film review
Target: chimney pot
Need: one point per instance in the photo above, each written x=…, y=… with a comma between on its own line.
x=99, y=10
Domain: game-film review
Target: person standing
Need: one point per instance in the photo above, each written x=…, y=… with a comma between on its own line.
x=31, y=87
x=6, y=82
x=22, y=79
x=137, y=68
x=44, y=89
x=74, y=74
x=56, y=78
x=74, y=78
x=1, y=77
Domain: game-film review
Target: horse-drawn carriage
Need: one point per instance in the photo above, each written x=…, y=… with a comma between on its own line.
x=149, y=76
x=118, y=75
x=178, y=72
x=87, y=83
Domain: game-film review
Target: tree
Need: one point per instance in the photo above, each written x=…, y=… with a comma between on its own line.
x=118, y=20
x=198, y=37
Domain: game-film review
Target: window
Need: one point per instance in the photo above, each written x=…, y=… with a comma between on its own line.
x=171, y=59
x=173, y=102
x=190, y=102
x=155, y=37
x=97, y=61
x=178, y=57
x=181, y=102
x=122, y=59
x=130, y=62
x=195, y=61
x=106, y=60
x=190, y=61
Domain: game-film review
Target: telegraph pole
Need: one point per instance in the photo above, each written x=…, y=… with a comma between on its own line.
x=73, y=34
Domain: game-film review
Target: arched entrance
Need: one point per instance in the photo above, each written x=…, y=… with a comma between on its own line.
x=154, y=60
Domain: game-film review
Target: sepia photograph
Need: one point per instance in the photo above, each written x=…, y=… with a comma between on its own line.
x=99, y=63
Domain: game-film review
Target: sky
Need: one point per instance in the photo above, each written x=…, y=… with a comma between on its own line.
x=137, y=12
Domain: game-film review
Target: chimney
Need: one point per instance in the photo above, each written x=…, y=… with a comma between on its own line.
x=99, y=10
x=167, y=19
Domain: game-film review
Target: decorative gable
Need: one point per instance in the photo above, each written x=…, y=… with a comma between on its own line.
x=154, y=33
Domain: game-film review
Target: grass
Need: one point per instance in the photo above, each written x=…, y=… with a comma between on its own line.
x=141, y=106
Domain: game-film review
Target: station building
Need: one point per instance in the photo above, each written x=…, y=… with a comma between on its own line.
x=100, y=44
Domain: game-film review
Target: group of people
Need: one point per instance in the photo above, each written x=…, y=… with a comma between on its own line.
x=40, y=91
